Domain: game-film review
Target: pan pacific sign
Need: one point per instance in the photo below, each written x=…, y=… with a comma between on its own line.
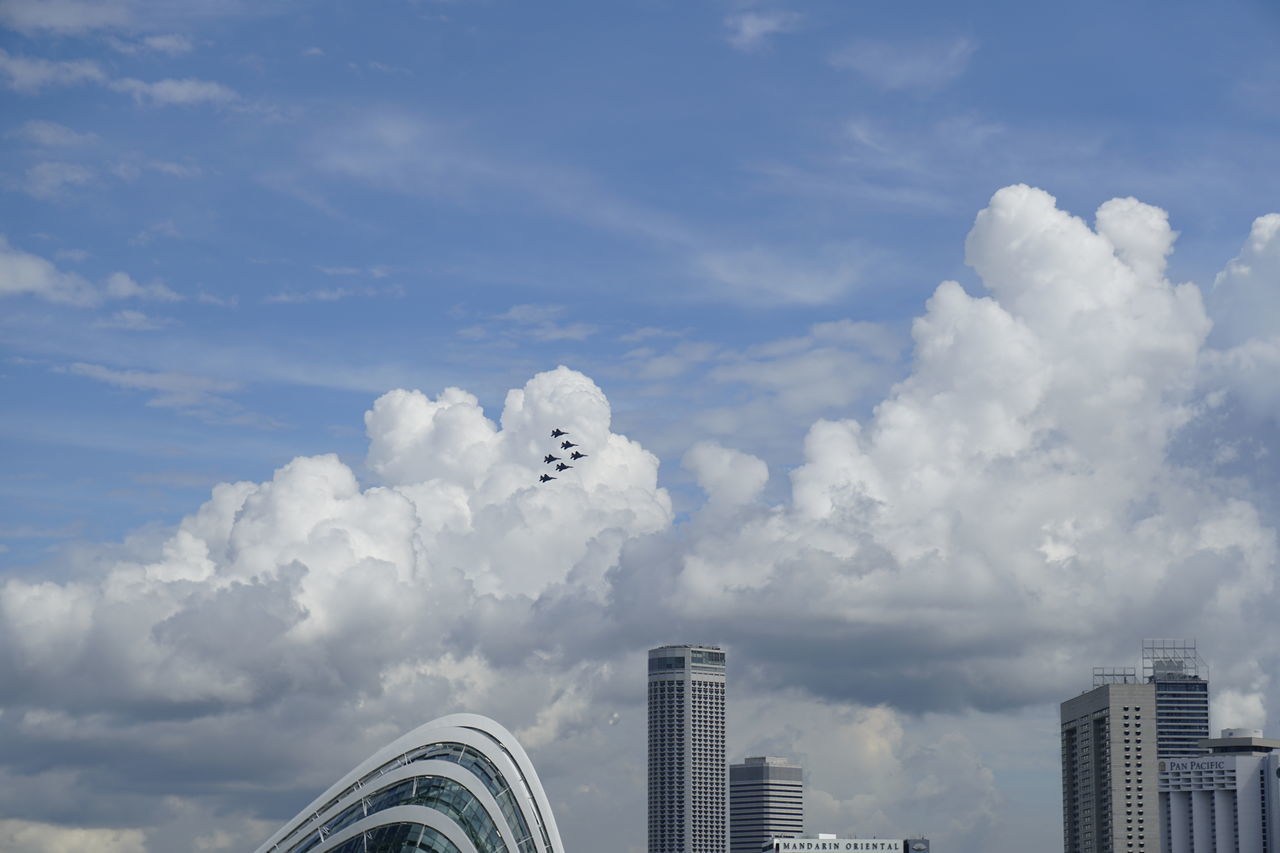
x=847, y=845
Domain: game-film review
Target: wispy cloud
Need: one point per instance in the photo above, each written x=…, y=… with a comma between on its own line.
x=198, y=396
x=50, y=134
x=535, y=322
x=64, y=16
x=749, y=31
x=31, y=75
x=184, y=92
x=170, y=44
x=921, y=65
x=22, y=273
x=331, y=294
x=130, y=320
x=51, y=180
x=28, y=75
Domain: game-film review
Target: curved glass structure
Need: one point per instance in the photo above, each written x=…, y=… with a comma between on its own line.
x=459, y=784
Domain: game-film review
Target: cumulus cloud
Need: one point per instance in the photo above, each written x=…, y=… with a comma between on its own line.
x=1007, y=516
x=923, y=65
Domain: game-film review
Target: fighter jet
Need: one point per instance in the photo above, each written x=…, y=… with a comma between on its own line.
x=557, y=432
x=576, y=455
x=549, y=459
x=563, y=467
x=565, y=445
x=545, y=477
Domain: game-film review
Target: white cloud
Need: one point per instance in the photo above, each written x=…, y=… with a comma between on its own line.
x=331, y=294
x=922, y=65
x=729, y=477
x=170, y=43
x=748, y=31
x=133, y=321
x=51, y=180
x=27, y=75
x=122, y=286
x=24, y=273
x=1008, y=515
x=762, y=276
x=64, y=16
x=50, y=134
x=184, y=92
x=26, y=836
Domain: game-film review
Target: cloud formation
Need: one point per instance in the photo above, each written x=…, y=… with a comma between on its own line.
x=1011, y=513
x=895, y=66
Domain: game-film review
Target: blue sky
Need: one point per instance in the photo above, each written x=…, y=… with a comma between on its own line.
x=231, y=227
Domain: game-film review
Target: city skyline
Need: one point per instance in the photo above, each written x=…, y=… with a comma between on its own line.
x=922, y=356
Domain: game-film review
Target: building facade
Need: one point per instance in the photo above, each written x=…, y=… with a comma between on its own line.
x=766, y=801
x=1181, y=680
x=688, y=790
x=1224, y=801
x=1109, y=784
x=459, y=784
x=834, y=844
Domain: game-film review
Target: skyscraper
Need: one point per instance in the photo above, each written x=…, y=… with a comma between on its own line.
x=1109, y=785
x=1181, y=679
x=687, y=771
x=766, y=801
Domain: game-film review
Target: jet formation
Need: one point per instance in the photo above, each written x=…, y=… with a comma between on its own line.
x=551, y=457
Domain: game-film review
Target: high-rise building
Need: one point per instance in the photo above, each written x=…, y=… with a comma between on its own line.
x=687, y=771
x=1181, y=679
x=766, y=801
x=1109, y=785
x=1227, y=800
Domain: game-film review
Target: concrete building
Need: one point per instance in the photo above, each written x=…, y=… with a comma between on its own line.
x=1226, y=801
x=766, y=801
x=459, y=784
x=1181, y=679
x=1109, y=785
x=688, y=790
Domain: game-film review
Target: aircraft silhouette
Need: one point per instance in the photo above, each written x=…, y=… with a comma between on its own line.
x=545, y=477
x=549, y=459
x=565, y=445
x=557, y=432
x=576, y=455
x=563, y=467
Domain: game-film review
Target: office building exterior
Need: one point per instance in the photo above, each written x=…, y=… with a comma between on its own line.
x=1109, y=784
x=766, y=801
x=1224, y=801
x=459, y=784
x=1181, y=681
x=688, y=790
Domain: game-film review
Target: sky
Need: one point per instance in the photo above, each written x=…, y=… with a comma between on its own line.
x=924, y=357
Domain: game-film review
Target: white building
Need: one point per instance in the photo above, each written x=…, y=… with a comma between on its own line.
x=688, y=779
x=459, y=784
x=1227, y=801
x=766, y=801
